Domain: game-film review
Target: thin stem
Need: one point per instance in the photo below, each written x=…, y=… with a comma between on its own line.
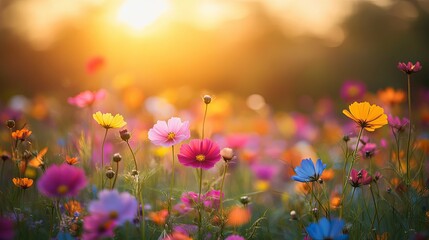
x=397, y=151
x=57, y=208
x=204, y=121
x=409, y=129
x=2, y=168
x=225, y=169
x=200, y=205
x=376, y=209
x=132, y=153
x=171, y=190
x=102, y=158
x=142, y=221
x=116, y=175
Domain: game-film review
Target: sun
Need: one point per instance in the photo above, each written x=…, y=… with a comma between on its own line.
x=137, y=14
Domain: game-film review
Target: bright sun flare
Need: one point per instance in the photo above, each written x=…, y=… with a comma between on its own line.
x=138, y=14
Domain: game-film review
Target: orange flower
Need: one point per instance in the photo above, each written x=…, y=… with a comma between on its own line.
x=73, y=207
x=366, y=116
x=383, y=236
x=391, y=96
x=303, y=188
x=38, y=160
x=335, y=201
x=423, y=144
x=23, y=183
x=238, y=216
x=71, y=160
x=21, y=134
x=159, y=217
x=328, y=174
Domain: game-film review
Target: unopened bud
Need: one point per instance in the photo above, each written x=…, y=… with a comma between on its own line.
x=134, y=172
x=10, y=123
x=110, y=173
x=320, y=181
x=227, y=154
x=245, y=200
x=125, y=135
x=117, y=157
x=293, y=215
x=207, y=99
x=346, y=138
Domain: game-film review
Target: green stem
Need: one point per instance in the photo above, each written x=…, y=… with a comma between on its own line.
x=1, y=174
x=376, y=209
x=397, y=151
x=225, y=169
x=57, y=208
x=350, y=169
x=409, y=130
x=171, y=191
x=116, y=175
x=200, y=205
x=102, y=159
x=132, y=153
x=204, y=121
x=142, y=220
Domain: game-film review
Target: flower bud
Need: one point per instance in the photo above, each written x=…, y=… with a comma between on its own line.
x=134, y=172
x=346, y=138
x=293, y=215
x=125, y=135
x=227, y=154
x=110, y=173
x=245, y=200
x=117, y=157
x=10, y=123
x=5, y=156
x=320, y=181
x=207, y=99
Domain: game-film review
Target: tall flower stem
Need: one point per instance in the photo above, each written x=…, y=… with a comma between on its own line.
x=397, y=151
x=225, y=169
x=204, y=121
x=409, y=129
x=116, y=175
x=171, y=190
x=57, y=209
x=200, y=205
x=102, y=158
x=132, y=153
x=375, y=207
x=354, y=154
x=142, y=221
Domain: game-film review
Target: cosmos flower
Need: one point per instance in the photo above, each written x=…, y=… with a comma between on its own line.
x=21, y=134
x=391, y=96
x=210, y=200
x=71, y=160
x=73, y=207
x=308, y=172
x=352, y=90
x=327, y=229
x=397, y=124
x=169, y=133
x=159, y=217
x=107, y=121
x=235, y=237
x=199, y=154
x=23, y=183
x=86, y=98
x=238, y=216
x=120, y=207
x=6, y=229
x=409, y=67
x=359, y=178
x=368, y=150
x=62, y=181
x=98, y=226
x=369, y=117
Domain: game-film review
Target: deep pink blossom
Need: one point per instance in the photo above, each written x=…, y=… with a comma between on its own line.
x=352, y=90
x=199, y=154
x=234, y=237
x=264, y=171
x=98, y=226
x=86, y=98
x=6, y=229
x=409, y=67
x=359, y=178
x=169, y=133
x=368, y=150
x=210, y=200
x=397, y=124
x=121, y=207
x=62, y=181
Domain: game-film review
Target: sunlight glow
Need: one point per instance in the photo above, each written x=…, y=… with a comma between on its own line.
x=137, y=14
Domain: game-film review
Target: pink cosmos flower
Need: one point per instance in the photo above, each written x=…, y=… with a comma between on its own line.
x=62, y=181
x=6, y=229
x=86, y=98
x=120, y=207
x=199, y=154
x=264, y=171
x=169, y=133
x=397, y=124
x=235, y=237
x=352, y=90
x=210, y=200
x=98, y=226
x=359, y=178
x=368, y=150
x=409, y=67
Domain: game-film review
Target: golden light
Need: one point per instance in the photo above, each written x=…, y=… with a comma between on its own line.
x=137, y=14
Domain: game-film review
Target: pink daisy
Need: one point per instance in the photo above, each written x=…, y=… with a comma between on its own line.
x=86, y=98
x=199, y=154
x=169, y=133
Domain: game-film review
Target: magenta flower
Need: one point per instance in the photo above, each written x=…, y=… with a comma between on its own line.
x=199, y=154
x=397, y=124
x=169, y=133
x=62, y=181
x=409, y=67
x=98, y=226
x=190, y=199
x=235, y=237
x=368, y=150
x=264, y=172
x=120, y=207
x=210, y=200
x=6, y=229
x=352, y=90
x=359, y=178
x=86, y=98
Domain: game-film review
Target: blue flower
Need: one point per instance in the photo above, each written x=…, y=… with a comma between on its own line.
x=327, y=229
x=308, y=172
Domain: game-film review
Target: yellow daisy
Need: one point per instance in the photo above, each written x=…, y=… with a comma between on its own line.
x=367, y=116
x=107, y=121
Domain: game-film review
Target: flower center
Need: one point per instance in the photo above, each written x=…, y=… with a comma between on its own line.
x=113, y=215
x=353, y=91
x=62, y=189
x=171, y=135
x=200, y=157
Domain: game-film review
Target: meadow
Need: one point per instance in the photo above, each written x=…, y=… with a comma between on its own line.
x=195, y=164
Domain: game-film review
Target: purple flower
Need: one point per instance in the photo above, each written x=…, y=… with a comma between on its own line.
x=6, y=229
x=352, y=90
x=199, y=154
x=397, y=124
x=368, y=150
x=62, y=181
x=190, y=199
x=169, y=133
x=264, y=172
x=120, y=207
x=409, y=67
x=359, y=178
x=235, y=237
x=98, y=226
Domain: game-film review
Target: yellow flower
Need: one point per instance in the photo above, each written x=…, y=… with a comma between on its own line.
x=367, y=116
x=23, y=183
x=107, y=121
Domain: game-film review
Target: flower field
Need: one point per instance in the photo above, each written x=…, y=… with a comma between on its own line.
x=217, y=166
